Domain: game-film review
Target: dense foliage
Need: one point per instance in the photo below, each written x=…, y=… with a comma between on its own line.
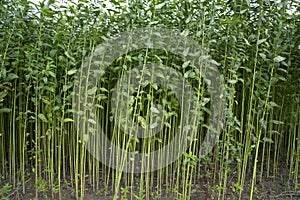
x=255, y=45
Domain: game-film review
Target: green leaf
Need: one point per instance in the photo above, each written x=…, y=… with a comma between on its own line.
x=153, y=22
x=128, y=57
x=69, y=56
x=159, y=6
x=261, y=41
x=43, y=117
x=185, y=33
x=263, y=56
x=5, y=110
x=214, y=62
x=247, y=42
x=265, y=139
x=72, y=71
x=85, y=137
x=279, y=59
x=102, y=89
x=52, y=74
x=68, y=120
x=92, y=91
x=55, y=108
x=282, y=78
x=52, y=52
x=92, y=121
x=276, y=122
x=142, y=122
x=232, y=81
x=273, y=104
x=155, y=86
x=154, y=125
x=154, y=110
x=185, y=64
x=12, y=76
x=99, y=106
x=66, y=87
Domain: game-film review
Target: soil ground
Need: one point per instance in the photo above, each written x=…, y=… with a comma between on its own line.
x=278, y=188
